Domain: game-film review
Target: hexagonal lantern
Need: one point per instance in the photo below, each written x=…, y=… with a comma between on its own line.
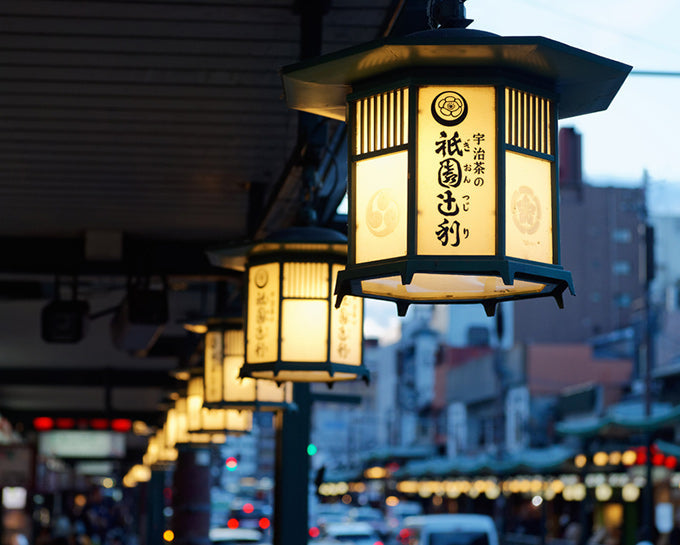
x=293, y=332
x=453, y=189
x=223, y=359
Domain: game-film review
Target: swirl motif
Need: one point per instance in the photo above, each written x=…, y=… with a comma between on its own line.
x=382, y=213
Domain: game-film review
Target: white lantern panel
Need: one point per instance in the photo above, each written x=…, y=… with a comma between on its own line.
x=380, y=189
x=529, y=222
x=456, y=170
x=346, y=327
x=304, y=330
x=213, y=366
x=263, y=313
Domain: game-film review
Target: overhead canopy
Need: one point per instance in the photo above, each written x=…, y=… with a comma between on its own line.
x=623, y=418
x=543, y=460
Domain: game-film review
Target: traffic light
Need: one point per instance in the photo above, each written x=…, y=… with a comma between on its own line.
x=231, y=463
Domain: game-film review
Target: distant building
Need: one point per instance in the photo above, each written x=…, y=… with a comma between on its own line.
x=602, y=245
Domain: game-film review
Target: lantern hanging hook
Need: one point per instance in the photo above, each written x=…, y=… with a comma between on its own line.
x=447, y=14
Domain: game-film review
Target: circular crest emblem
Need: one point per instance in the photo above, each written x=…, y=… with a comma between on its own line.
x=526, y=210
x=261, y=278
x=449, y=108
x=382, y=213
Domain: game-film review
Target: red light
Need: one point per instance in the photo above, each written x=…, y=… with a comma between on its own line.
x=658, y=459
x=641, y=456
x=43, y=423
x=264, y=523
x=248, y=508
x=378, y=543
x=231, y=463
x=404, y=533
x=314, y=532
x=99, y=423
x=232, y=523
x=122, y=425
x=671, y=462
x=65, y=423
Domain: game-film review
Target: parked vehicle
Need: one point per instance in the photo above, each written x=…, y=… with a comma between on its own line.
x=448, y=529
x=348, y=533
x=236, y=536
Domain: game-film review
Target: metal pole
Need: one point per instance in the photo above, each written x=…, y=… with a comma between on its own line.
x=291, y=483
x=648, y=507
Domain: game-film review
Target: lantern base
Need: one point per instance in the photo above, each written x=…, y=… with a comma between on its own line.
x=304, y=372
x=453, y=280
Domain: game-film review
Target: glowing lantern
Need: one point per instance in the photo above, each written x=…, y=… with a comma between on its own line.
x=224, y=357
x=453, y=190
x=293, y=331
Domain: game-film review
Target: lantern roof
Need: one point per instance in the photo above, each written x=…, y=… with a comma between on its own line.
x=312, y=237
x=585, y=82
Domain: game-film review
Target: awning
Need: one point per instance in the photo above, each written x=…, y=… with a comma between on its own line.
x=526, y=461
x=621, y=418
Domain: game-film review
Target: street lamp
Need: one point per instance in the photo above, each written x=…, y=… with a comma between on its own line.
x=215, y=423
x=293, y=331
x=453, y=190
x=223, y=358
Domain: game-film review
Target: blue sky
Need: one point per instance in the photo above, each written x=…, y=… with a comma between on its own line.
x=638, y=131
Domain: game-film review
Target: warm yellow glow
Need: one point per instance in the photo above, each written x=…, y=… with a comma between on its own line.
x=199, y=329
x=452, y=489
x=493, y=491
x=80, y=500
x=600, y=458
x=139, y=427
x=603, y=492
x=391, y=501
x=549, y=494
x=407, y=487
x=346, y=327
x=212, y=368
x=380, y=190
x=141, y=473
x=628, y=458
x=456, y=170
x=630, y=492
x=304, y=330
x=263, y=313
x=357, y=487
x=579, y=491
x=557, y=486
x=615, y=458
x=580, y=460
x=536, y=485
x=528, y=188
x=426, y=287
x=107, y=482
x=375, y=472
x=168, y=535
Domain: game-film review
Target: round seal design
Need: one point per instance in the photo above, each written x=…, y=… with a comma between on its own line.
x=261, y=278
x=526, y=210
x=449, y=108
x=382, y=213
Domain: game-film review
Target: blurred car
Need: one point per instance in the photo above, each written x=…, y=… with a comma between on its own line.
x=354, y=533
x=448, y=529
x=374, y=517
x=236, y=536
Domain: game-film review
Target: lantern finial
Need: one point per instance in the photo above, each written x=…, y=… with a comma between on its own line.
x=447, y=14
